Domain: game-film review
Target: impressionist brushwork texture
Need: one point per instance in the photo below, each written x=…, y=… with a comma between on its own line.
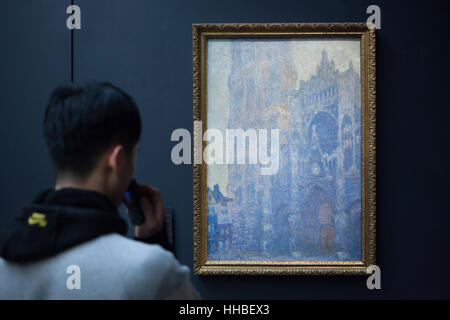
x=311, y=208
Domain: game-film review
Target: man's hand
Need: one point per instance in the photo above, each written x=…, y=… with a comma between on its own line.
x=153, y=207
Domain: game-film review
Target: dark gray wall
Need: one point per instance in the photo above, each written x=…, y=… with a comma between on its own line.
x=34, y=58
x=145, y=47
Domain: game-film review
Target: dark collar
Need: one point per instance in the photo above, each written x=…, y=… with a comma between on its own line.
x=59, y=220
x=78, y=198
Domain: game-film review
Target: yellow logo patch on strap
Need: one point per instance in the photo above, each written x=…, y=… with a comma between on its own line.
x=37, y=218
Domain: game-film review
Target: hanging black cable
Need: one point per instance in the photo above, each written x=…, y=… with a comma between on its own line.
x=71, y=52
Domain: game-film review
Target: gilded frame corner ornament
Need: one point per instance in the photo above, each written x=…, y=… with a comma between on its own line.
x=200, y=34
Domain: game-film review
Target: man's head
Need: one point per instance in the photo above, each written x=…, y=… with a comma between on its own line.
x=92, y=133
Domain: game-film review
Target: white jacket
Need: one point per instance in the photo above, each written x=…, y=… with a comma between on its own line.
x=108, y=267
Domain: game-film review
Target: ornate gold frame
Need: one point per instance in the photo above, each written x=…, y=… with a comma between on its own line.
x=200, y=34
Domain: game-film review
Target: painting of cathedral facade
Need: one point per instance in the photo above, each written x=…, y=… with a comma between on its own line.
x=310, y=209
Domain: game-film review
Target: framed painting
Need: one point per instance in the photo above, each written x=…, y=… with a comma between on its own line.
x=284, y=172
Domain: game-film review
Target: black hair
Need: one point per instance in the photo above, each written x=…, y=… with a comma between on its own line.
x=82, y=122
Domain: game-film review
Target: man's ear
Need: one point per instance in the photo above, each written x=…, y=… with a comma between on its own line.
x=115, y=157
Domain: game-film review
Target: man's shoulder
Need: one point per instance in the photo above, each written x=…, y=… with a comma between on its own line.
x=110, y=266
x=145, y=270
x=128, y=251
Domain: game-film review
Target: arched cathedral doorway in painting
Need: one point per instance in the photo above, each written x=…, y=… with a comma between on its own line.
x=317, y=231
x=326, y=228
x=281, y=226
